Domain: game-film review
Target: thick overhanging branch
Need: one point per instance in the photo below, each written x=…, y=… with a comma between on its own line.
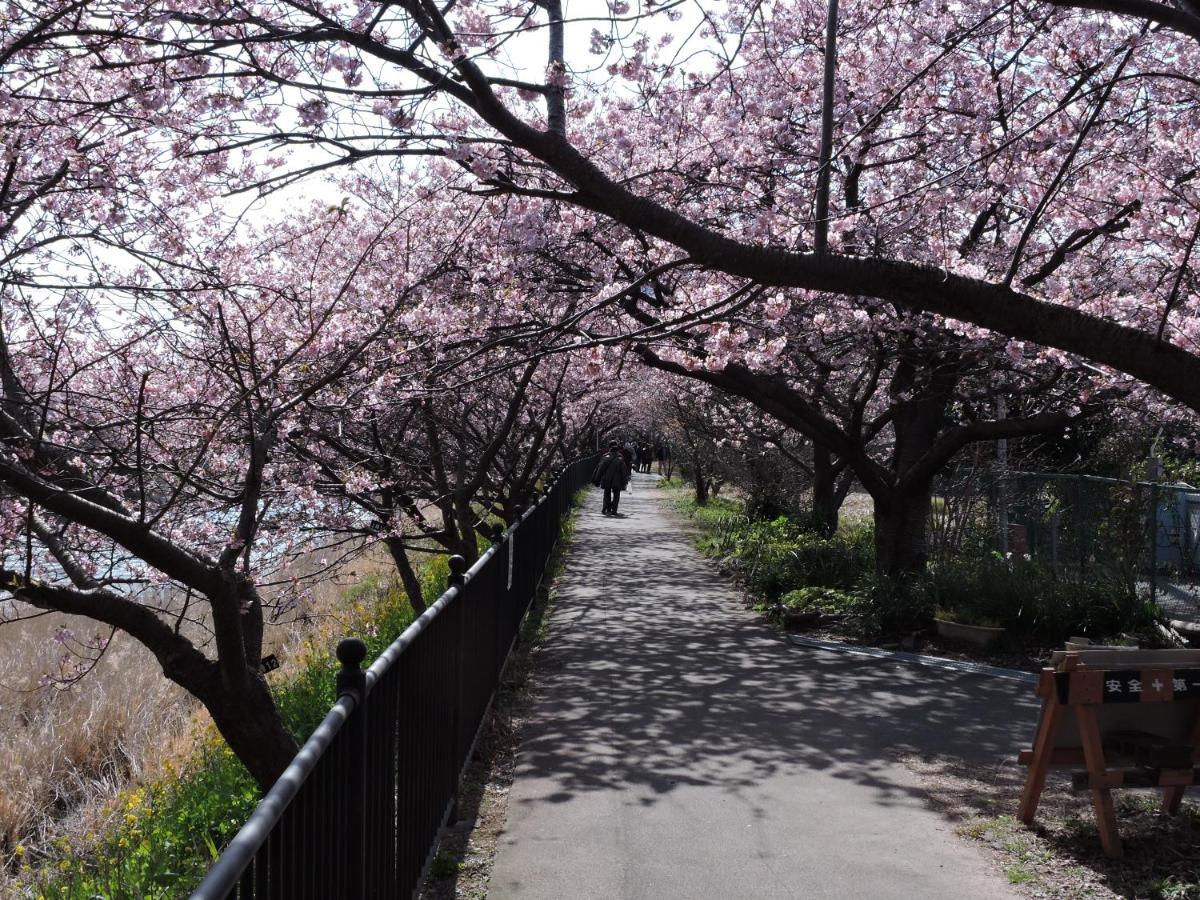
x=179, y=658
x=914, y=286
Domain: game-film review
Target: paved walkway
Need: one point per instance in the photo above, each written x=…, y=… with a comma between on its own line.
x=679, y=749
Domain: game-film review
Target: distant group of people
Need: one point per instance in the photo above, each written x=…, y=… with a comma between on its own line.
x=639, y=457
x=616, y=468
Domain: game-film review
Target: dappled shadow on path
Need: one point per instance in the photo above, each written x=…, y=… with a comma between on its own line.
x=655, y=678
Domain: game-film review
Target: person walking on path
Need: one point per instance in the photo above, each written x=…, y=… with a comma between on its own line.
x=612, y=473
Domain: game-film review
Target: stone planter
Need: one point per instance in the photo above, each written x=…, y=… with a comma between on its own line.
x=802, y=620
x=980, y=635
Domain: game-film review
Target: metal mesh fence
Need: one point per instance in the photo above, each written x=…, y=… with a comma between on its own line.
x=1083, y=528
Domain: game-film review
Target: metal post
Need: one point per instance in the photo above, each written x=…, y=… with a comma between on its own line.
x=1153, y=523
x=499, y=611
x=458, y=579
x=1079, y=530
x=514, y=605
x=1002, y=479
x=352, y=682
x=825, y=152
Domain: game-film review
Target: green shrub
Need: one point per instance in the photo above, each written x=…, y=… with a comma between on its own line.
x=784, y=562
x=1036, y=603
x=779, y=556
x=819, y=599
x=887, y=607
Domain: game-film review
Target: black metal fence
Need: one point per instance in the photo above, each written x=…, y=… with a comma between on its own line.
x=358, y=812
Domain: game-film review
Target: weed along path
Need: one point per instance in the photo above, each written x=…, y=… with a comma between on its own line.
x=677, y=748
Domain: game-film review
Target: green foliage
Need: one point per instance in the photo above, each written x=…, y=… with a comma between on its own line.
x=888, y=607
x=819, y=599
x=789, y=566
x=162, y=837
x=433, y=577
x=1036, y=603
x=444, y=866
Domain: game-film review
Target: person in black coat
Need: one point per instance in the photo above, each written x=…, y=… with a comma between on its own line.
x=612, y=474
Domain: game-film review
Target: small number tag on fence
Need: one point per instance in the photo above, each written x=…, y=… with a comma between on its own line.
x=269, y=664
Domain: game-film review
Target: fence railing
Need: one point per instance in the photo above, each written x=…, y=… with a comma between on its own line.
x=358, y=812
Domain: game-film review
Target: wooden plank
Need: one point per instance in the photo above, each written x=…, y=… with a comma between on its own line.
x=1086, y=687
x=1172, y=799
x=1045, y=685
x=1133, y=777
x=1176, y=777
x=1059, y=756
x=1106, y=821
x=1040, y=761
x=1093, y=750
x=1147, y=749
x=1086, y=781
x=1157, y=685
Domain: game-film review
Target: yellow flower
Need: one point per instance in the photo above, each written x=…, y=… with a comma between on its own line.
x=20, y=850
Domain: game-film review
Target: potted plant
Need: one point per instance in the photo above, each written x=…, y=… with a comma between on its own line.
x=968, y=626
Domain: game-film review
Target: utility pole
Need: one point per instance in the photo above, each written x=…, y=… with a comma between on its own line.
x=825, y=156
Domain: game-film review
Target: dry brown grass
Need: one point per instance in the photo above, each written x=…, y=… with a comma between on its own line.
x=65, y=754
x=64, y=751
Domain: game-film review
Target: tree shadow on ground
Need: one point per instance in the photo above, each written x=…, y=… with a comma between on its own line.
x=656, y=678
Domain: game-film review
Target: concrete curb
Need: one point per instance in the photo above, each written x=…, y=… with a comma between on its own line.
x=931, y=662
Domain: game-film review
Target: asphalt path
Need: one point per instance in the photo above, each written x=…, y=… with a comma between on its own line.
x=680, y=749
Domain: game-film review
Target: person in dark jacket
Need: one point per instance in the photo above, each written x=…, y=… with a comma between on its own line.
x=612, y=474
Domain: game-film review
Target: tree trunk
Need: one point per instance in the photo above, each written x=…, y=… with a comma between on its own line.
x=901, y=534
x=468, y=544
x=408, y=576
x=825, y=500
x=252, y=727
x=701, y=484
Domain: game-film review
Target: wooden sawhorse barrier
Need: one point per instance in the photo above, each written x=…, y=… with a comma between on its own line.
x=1129, y=717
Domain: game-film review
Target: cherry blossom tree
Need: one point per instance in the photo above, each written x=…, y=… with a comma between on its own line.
x=1022, y=170
x=976, y=148
x=427, y=466
x=140, y=453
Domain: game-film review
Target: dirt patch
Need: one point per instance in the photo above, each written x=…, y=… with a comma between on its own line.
x=1060, y=857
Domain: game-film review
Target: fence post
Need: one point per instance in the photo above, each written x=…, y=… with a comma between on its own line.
x=457, y=579
x=499, y=612
x=1153, y=524
x=1079, y=530
x=352, y=682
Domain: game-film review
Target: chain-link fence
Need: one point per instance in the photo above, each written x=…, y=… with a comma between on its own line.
x=1084, y=528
